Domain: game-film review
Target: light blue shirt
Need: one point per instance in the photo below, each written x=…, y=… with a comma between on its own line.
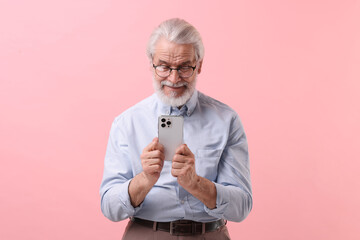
x=214, y=134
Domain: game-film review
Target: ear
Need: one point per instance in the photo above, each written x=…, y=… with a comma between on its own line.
x=199, y=68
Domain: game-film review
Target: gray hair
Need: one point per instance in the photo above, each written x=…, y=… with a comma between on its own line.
x=178, y=31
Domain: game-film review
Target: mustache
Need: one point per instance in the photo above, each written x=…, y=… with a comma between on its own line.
x=170, y=84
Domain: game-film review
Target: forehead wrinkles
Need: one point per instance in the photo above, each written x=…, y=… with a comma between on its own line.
x=174, y=58
x=174, y=53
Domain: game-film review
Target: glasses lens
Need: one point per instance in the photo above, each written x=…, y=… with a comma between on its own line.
x=162, y=71
x=186, y=71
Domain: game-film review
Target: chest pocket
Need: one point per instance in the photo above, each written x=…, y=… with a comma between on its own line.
x=206, y=162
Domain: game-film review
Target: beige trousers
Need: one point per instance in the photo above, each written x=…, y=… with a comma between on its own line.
x=135, y=231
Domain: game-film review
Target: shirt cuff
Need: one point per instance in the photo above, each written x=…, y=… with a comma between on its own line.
x=125, y=199
x=222, y=202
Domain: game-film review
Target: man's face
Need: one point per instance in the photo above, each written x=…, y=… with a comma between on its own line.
x=175, y=90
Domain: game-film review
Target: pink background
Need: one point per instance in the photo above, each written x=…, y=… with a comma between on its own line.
x=291, y=69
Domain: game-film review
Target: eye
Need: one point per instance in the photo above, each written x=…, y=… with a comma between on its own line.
x=162, y=68
x=185, y=69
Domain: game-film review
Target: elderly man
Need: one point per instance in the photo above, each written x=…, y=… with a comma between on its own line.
x=208, y=180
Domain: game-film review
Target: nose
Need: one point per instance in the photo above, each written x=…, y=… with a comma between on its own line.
x=174, y=76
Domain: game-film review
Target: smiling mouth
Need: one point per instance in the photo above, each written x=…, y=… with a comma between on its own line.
x=174, y=87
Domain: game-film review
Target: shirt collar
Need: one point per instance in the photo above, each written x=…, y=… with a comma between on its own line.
x=187, y=109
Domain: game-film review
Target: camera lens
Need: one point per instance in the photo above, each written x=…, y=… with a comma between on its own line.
x=163, y=120
x=168, y=122
x=163, y=125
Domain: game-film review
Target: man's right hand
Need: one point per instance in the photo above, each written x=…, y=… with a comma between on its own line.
x=152, y=161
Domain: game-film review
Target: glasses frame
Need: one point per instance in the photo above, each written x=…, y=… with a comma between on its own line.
x=177, y=69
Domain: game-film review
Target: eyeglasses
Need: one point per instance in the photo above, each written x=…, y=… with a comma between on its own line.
x=165, y=71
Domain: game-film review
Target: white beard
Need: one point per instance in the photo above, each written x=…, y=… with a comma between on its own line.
x=173, y=99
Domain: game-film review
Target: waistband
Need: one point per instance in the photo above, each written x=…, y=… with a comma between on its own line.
x=181, y=227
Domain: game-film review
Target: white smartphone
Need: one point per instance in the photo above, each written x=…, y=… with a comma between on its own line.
x=170, y=133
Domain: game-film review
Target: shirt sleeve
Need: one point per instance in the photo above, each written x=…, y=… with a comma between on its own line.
x=115, y=199
x=233, y=184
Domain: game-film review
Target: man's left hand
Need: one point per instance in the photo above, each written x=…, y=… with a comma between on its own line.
x=183, y=167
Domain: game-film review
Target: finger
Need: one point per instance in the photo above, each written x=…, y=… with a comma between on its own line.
x=153, y=161
x=160, y=147
x=157, y=146
x=183, y=150
x=154, y=168
x=179, y=158
x=154, y=154
x=175, y=172
x=177, y=165
x=151, y=165
x=151, y=145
